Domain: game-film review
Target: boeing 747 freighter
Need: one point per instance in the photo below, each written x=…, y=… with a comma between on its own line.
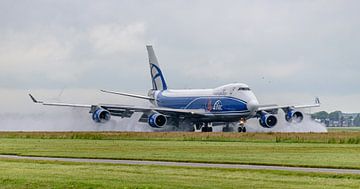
x=201, y=108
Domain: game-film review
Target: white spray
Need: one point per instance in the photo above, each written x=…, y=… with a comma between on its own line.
x=307, y=125
x=64, y=119
x=35, y=117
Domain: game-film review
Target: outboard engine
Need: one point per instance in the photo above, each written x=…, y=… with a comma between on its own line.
x=101, y=115
x=292, y=115
x=157, y=120
x=267, y=120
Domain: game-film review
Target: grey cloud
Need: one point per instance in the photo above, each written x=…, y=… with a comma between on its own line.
x=307, y=47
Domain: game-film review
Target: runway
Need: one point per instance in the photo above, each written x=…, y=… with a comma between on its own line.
x=187, y=164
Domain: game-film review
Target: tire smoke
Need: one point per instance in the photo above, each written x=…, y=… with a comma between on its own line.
x=58, y=119
x=307, y=125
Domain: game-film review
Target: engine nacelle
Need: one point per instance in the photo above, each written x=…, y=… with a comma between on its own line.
x=101, y=115
x=267, y=120
x=157, y=120
x=292, y=115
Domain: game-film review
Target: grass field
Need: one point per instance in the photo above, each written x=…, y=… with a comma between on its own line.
x=343, y=129
x=340, y=137
x=264, y=149
x=334, y=149
x=45, y=174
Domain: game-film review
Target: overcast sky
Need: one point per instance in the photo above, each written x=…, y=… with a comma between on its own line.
x=287, y=51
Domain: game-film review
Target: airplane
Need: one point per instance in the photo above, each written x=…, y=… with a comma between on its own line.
x=202, y=109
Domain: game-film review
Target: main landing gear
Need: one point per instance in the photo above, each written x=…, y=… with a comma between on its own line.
x=227, y=128
x=206, y=128
x=203, y=127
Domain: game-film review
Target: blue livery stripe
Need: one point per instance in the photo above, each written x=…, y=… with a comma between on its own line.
x=213, y=104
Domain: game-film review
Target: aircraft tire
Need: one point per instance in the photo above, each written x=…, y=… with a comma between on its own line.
x=206, y=129
x=242, y=129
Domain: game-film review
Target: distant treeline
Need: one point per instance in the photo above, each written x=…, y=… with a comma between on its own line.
x=338, y=118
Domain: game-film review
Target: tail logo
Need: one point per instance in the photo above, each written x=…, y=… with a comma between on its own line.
x=158, y=78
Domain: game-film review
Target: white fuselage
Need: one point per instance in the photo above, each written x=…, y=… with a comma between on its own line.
x=232, y=100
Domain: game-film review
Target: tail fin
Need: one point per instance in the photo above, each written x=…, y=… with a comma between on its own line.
x=157, y=77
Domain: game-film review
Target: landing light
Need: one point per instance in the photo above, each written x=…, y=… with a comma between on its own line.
x=242, y=121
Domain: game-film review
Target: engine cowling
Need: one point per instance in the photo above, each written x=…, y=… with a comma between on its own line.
x=101, y=115
x=293, y=116
x=157, y=120
x=267, y=120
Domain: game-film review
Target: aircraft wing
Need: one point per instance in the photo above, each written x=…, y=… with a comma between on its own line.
x=126, y=110
x=274, y=107
x=59, y=104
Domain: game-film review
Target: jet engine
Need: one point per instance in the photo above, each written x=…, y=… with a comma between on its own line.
x=157, y=120
x=101, y=115
x=267, y=120
x=292, y=115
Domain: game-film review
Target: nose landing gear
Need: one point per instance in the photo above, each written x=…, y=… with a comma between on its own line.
x=242, y=127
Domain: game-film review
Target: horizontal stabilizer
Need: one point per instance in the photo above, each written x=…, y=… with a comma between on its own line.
x=128, y=94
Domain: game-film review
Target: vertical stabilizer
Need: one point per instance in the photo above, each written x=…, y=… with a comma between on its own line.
x=157, y=77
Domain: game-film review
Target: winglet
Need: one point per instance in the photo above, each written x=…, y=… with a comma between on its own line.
x=317, y=100
x=34, y=100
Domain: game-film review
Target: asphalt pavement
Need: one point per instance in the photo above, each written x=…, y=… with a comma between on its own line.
x=188, y=164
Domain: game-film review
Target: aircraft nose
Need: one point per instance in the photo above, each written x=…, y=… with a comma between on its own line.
x=252, y=105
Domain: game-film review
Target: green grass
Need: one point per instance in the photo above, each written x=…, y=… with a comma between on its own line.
x=343, y=129
x=266, y=153
x=332, y=137
x=335, y=149
x=47, y=174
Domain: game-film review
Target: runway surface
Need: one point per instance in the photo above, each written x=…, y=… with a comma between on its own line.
x=185, y=164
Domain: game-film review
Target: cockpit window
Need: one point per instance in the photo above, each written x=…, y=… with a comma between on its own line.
x=244, y=89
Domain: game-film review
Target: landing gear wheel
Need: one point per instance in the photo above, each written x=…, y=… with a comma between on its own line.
x=242, y=129
x=206, y=129
x=197, y=126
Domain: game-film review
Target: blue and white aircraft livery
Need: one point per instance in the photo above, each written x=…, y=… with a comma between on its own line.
x=200, y=108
